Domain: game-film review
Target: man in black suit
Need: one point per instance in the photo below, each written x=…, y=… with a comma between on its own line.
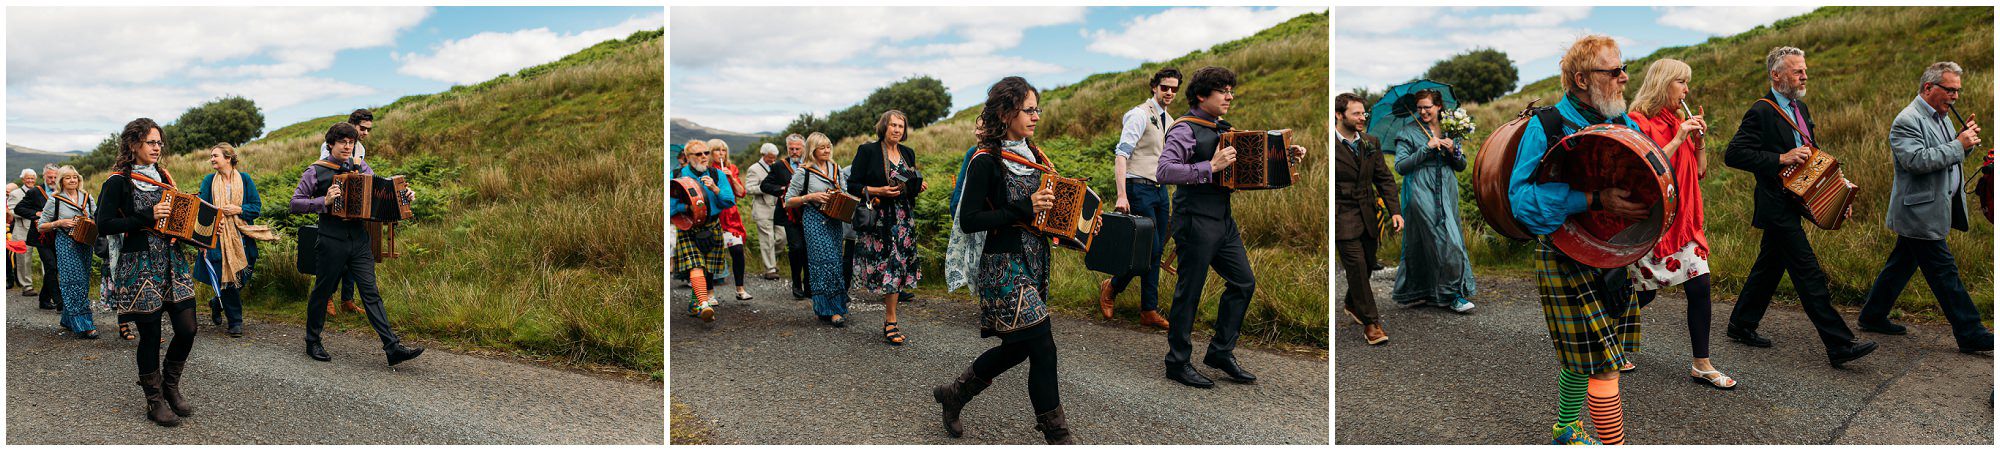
x=795, y=234
x=1778, y=132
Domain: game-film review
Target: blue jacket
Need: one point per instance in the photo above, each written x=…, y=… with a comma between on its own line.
x=253, y=207
x=1543, y=207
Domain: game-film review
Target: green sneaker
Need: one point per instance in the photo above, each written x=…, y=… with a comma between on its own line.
x=1572, y=433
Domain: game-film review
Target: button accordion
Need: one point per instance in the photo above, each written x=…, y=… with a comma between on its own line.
x=1263, y=160
x=840, y=206
x=1821, y=188
x=1073, y=220
x=370, y=198
x=189, y=219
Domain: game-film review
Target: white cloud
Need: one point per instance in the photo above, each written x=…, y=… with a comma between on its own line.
x=764, y=98
x=1725, y=20
x=136, y=45
x=1380, y=19
x=485, y=55
x=57, y=140
x=710, y=36
x=1539, y=17
x=1177, y=31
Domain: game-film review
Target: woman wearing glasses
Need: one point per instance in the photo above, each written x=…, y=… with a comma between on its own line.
x=1008, y=267
x=1435, y=269
x=150, y=278
x=886, y=251
x=812, y=184
x=1681, y=257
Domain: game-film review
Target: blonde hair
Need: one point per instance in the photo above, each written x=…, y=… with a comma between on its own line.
x=1660, y=76
x=813, y=143
x=68, y=171
x=1584, y=51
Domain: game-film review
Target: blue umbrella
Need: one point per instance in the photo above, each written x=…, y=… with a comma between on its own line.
x=1398, y=107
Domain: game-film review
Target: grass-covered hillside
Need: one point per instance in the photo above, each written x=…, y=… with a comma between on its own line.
x=1282, y=83
x=538, y=232
x=1864, y=63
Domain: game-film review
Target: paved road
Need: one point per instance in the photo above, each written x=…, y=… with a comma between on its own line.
x=1489, y=378
x=261, y=389
x=766, y=372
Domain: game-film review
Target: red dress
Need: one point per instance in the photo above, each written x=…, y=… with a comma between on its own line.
x=732, y=222
x=1688, y=222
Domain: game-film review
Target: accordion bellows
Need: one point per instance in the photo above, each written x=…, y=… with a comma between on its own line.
x=1073, y=219
x=1262, y=160
x=189, y=219
x=370, y=198
x=1824, y=190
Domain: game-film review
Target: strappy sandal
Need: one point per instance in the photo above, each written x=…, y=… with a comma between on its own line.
x=125, y=332
x=892, y=334
x=1628, y=367
x=744, y=296
x=837, y=321
x=1712, y=378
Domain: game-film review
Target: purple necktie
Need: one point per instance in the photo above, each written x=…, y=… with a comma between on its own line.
x=1800, y=120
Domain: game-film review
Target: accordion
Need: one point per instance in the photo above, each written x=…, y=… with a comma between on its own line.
x=1823, y=190
x=1611, y=156
x=1073, y=219
x=370, y=198
x=840, y=206
x=688, y=191
x=189, y=219
x=1263, y=160
x=1123, y=245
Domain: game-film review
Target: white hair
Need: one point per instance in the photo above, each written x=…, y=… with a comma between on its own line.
x=1775, y=59
x=27, y=172
x=768, y=149
x=1935, y=73
x=795, y=138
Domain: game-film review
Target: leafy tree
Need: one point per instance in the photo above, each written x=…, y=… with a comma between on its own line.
x=1476, y=76
x=922, y=100
x=234, y=120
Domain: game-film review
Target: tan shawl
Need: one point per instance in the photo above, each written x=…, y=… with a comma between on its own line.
x=228, y=192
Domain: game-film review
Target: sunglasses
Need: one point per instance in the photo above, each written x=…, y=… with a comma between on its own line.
x=1613, y=72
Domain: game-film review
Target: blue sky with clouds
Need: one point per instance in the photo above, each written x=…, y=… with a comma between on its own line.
x=755, y=69
x=75, y=75
x=1375, y=47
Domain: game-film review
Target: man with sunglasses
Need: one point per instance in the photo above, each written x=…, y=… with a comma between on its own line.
x=1135, y=163
x=1927, y=201
x=1776, y=132
x=363, y=122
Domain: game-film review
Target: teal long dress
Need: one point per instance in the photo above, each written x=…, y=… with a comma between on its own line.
x=1435, y=267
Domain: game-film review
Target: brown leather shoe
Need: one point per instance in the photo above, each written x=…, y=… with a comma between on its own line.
x=1105, y=298
x=349, y=305
x=1374, y=334
x=1153, y=318
x=332, y=310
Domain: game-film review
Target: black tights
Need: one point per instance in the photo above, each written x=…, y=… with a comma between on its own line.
x=736, y=263
x=149, y=338
x=1698, y=312
x=1040, y=352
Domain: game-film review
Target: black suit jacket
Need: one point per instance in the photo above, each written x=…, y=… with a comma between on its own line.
x=1763, y=135
x=775, y=184
x=1358, y=182
x=867, y=169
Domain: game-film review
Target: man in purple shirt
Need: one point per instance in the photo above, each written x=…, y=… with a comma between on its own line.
x=1205, y=234
x=343, y=249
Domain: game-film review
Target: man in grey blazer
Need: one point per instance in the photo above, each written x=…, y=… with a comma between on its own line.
x=1927, y=198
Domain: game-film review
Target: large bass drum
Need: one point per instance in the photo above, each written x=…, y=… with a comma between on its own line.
x=1611, y=156
x=1490, y=169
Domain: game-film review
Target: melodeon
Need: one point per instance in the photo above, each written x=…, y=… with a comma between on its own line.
x=688, y=191
x=190, y=220
x=840, y=206
x=1263, y=160
x=370, y=198
x=1821, y=188
x=1073, y=220
x=1611, y=156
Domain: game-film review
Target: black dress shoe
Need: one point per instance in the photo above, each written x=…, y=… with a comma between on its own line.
x=1885, y=327
x=1849, y=353
x=1186, y=375
x=1748, y=337
x=400, y=354
x=1983, y=344
x=317, y=352
x=1228, y=366
x=799, y=294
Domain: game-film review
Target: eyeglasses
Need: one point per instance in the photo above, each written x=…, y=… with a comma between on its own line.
x=1037, y=111
x=1613, y=72
x=1227, y=92
x=155, y=143
x=1947, y=89
x=348, y=142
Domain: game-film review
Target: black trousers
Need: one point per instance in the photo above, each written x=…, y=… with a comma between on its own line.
x=1940, y=271
x=1785, y=250
x=51, y=292
x=1037, y=346
x=1205, y=243
x=795, y=254
x=1360, y=298
x=341, y=259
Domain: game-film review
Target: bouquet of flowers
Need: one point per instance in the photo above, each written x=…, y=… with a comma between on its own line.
x=1456, y=124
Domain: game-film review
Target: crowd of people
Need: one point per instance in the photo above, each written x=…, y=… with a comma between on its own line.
x=1593, y=315
x=997, y=193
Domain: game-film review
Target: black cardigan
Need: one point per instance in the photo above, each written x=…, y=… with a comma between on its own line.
x=986, y=208
x=867, y=169
x=116, y=214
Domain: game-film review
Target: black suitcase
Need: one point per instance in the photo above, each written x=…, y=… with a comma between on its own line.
x=1123, y=246
x=308, y=259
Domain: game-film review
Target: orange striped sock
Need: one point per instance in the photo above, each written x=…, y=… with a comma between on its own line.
x=1607, y=412
x=698, y=281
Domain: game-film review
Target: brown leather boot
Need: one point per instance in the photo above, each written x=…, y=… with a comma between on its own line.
x=1374, y=334
x=1153, y=318
x=349, y=305
x=1106, y=298
x=1054, y=427
x=170, y=388
x=954, y=395
x=156, y=405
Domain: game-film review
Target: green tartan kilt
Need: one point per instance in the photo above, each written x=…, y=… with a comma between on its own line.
x=701, y=248
x=1593, y=333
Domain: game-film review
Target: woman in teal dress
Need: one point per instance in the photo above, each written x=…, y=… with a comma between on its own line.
x=1435, y=268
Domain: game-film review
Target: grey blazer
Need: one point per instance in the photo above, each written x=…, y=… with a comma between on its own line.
x=1928, y=195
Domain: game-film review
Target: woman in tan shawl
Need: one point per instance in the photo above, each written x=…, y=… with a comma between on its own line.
x=228, y=265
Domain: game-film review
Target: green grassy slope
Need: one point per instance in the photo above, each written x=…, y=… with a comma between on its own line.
x=1864, y=63
x=539, y=231
x=1282, y=83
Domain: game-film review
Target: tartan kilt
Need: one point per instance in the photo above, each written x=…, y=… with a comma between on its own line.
x=1592, y=333
x=702, y=248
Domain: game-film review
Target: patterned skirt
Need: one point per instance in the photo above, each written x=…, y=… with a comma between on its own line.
x=1014, y=287
x=73, y=272
x=1592, y=331
x=823, y=247
x=887, y=260
x=701, y=248
x=1651, y=273
x=146, y=280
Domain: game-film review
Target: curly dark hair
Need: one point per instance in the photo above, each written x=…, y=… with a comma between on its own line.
x=1002, y=101
x=341, y=131
x=129, y=141
x=1207, y=81
x=1162, y=75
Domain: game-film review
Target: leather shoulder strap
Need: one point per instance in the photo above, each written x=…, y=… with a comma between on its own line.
x=1788, y=121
